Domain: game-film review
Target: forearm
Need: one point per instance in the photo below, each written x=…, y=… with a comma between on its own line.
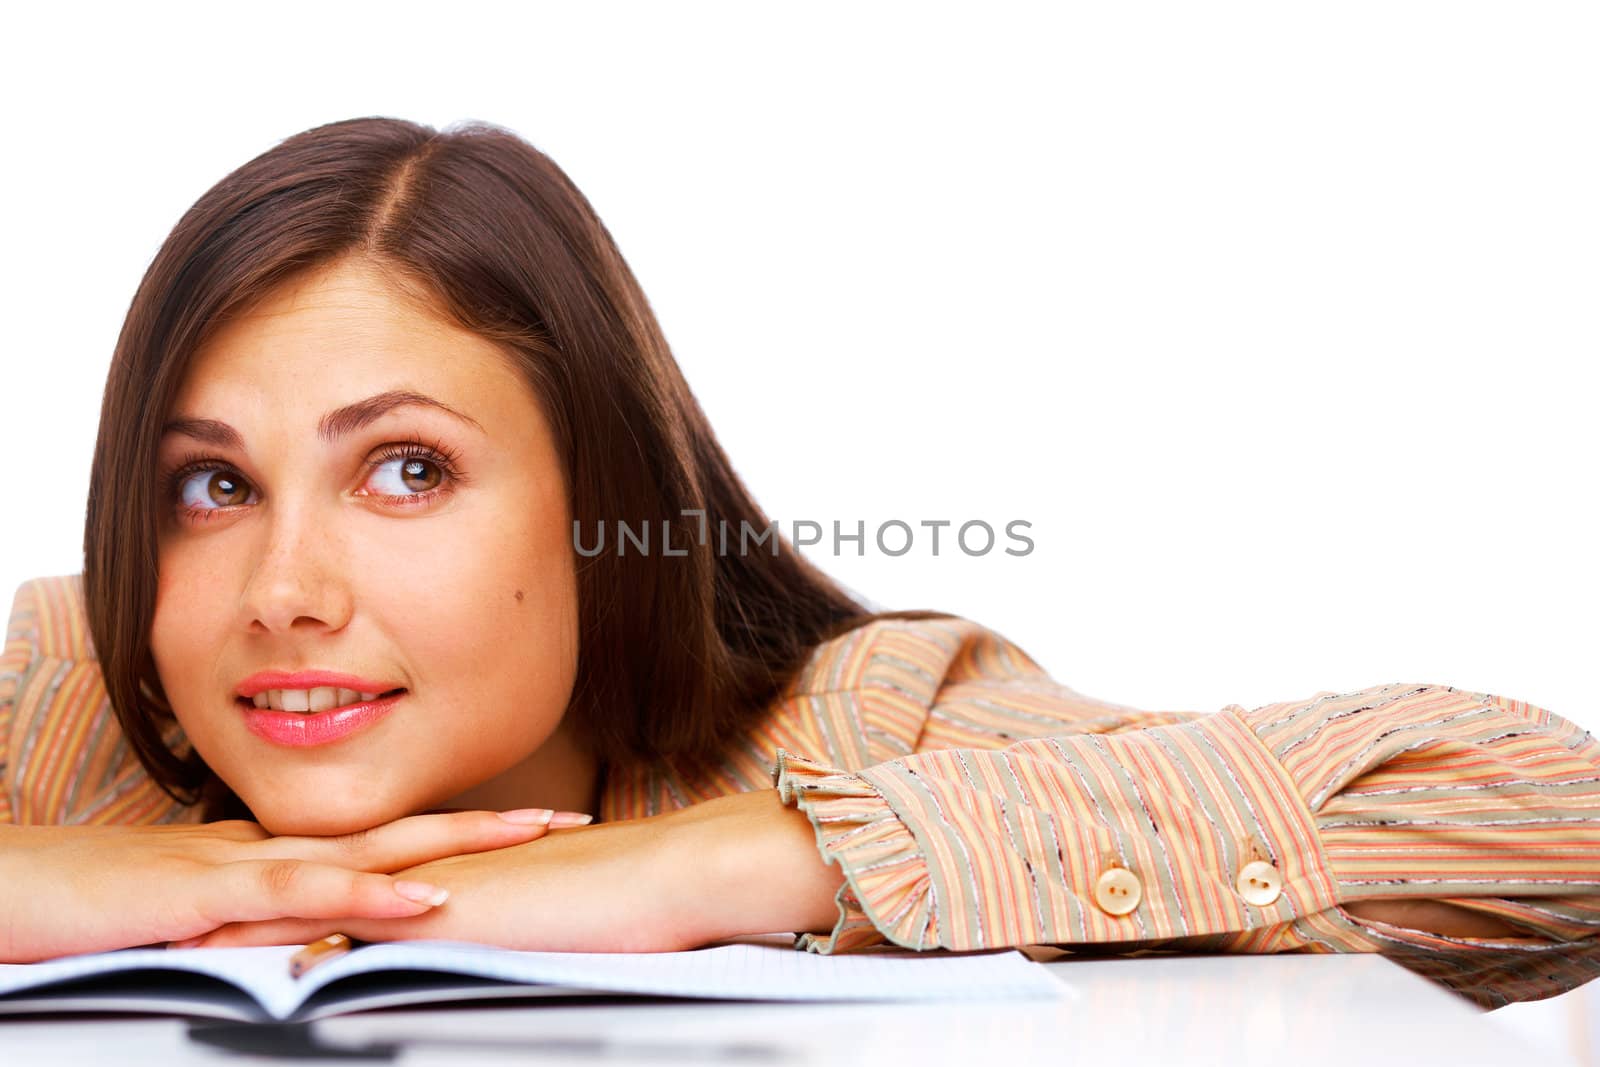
x=746, y=864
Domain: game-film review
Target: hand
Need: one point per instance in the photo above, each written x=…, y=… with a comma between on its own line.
x=737, y=864
x=591, y=889
x=72, y=889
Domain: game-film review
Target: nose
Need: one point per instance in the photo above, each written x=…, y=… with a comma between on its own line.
x=299, y=581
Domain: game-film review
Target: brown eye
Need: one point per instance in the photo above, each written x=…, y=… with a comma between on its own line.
x=224, y=489
x=414, y=474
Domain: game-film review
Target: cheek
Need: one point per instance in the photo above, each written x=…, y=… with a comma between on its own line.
x=507, y=582
x=190, y=633
x=187, y=629
x=490, y=622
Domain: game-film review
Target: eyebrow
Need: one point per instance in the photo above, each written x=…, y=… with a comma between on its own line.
x=334, y=425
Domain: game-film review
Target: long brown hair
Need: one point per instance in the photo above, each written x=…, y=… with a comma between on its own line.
x=676, y=654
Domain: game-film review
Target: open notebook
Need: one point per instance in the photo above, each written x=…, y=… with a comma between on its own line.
x=253, y=984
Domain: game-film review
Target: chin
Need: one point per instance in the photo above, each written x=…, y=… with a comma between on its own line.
x=306, y=820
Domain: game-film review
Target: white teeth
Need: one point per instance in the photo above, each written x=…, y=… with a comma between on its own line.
x=309, y=700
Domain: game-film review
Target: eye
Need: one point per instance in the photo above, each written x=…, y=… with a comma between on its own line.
x=200, y=489
x=409, y=471
x=408, y=474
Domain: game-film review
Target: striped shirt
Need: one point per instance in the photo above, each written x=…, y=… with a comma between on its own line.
x=972, y=803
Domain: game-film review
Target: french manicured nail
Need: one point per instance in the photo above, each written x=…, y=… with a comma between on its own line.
x=421, y=892
x=570, y=818
x=528, y=816
x=188, y=942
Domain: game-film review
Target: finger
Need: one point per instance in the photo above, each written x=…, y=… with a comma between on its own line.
x=281, y=932
x=305, y=931
x=237, y=829
x=414, y=840
x=250, y=890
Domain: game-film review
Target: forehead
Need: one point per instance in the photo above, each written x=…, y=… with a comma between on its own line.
x=342, y=332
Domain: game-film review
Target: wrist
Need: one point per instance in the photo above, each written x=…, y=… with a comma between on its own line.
x=748, y=864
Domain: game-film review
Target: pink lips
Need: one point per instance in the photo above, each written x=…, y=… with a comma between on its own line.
x=299, y=729
x=261, y=681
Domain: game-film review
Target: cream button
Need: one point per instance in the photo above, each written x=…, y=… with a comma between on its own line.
x=1118, y=891
x=1259, y=883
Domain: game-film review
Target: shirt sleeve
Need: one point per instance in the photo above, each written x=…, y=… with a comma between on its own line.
x=64, y=759
x=1030, y=814
x=17, y=657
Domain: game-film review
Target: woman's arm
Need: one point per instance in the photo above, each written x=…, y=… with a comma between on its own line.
x=1349, y=822
x=749, y=864
x=75, y=889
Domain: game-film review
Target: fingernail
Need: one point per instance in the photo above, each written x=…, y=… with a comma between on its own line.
x=528, y=816
x=570, y=818
x=421, y=892
x=188, y=942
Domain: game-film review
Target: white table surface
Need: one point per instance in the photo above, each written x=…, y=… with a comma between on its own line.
x=1289, y=1010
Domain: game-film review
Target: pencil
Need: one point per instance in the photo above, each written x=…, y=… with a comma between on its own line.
x=319, y=951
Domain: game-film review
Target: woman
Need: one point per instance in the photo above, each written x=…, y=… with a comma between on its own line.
x=358, y=596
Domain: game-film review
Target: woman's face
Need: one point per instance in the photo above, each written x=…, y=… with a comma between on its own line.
x=324, y=541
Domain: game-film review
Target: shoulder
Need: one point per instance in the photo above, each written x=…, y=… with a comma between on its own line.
x=47, y=620
x=896, y=686
x=858, y=698
x=63, y=755
x=869, y=694
x=887, y=688
x=912, y=656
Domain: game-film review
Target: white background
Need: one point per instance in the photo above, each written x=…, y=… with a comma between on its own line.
x=1277, y=324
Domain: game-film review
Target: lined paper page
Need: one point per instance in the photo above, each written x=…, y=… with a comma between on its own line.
x=764, y=967
x=748, y=970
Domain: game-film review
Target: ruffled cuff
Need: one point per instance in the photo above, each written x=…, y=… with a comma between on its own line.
x=886, y=892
